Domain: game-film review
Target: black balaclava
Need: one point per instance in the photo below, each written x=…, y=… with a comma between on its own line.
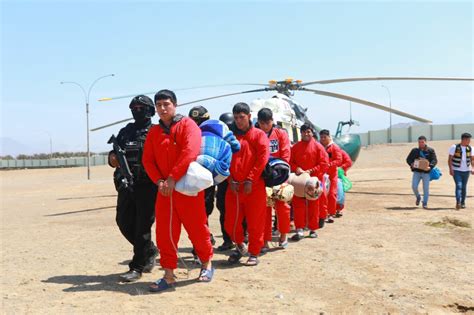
x=142, y=117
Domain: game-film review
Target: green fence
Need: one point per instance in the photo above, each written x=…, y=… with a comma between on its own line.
x=51, y=163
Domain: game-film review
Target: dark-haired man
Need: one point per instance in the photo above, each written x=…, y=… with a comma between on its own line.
x=136, y=204
x=246, y=196
x=279, y=144
x=169, y=149
x=335, y=161
x=460, y=167
x=307, y=156
x=420, y=172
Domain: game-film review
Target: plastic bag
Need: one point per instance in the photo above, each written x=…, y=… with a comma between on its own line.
x=435, y=173
x=346, y=183
x=196, y=179
x=341, y=195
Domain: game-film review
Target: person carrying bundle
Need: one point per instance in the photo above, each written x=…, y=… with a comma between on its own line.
x=335, y=161
x=279, y=144
x=307, y=156
x=169, y=150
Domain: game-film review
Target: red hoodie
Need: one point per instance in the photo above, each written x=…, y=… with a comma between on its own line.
x=309, y=156
x=335, y=158
x=279, y=144
x=346, y=161
x=250, y=161
x=170, y=153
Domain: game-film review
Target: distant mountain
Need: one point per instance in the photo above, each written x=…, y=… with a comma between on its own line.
x=12, y=147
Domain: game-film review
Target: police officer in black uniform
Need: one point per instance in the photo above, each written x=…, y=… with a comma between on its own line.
x=136, y=204
x=228, y=119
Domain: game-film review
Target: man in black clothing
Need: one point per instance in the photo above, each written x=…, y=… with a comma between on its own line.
x=136, y=203
x=421, y=172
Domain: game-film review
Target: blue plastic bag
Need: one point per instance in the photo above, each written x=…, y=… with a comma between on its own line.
x=435, y=173
x=341, y=195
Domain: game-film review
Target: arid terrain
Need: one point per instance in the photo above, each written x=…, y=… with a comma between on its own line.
x=61, y=251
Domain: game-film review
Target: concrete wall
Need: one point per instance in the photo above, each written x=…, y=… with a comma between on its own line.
x=67, y=162
x=411, y=134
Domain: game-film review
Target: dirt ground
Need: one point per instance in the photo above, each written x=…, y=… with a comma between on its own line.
x=61, y=251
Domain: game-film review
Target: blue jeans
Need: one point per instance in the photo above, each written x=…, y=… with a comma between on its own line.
x=417, y=176
x=460, y=179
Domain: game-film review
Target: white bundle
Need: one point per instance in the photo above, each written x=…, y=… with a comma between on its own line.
x=306, y=186
x=196, y=179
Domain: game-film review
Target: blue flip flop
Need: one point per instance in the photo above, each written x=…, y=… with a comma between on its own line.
x=161, y=285
x=206, y=273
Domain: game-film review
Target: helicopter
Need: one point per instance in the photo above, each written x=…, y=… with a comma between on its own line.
x=290, y=115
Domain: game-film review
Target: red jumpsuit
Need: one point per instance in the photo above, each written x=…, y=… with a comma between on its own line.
x=308, y=155
x=248, y=165
x=279, y=148
x=335, y=161
x=168, y=154
x=346, y=165
x=346, y=161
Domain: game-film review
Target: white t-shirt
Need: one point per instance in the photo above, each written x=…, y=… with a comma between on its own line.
x=463, y=167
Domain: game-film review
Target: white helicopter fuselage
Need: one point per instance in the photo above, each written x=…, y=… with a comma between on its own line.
x=283, y=114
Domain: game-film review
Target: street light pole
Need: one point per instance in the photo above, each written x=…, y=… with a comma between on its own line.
x=86, y=99
x=390, y=129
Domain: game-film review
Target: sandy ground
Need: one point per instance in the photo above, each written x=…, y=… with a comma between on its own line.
x=61, y=251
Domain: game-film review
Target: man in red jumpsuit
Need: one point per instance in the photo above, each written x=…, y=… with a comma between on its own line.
x=279, y=148
x=335, y=161
x=246, y=196
x=346, y=165
x=169, y=149
x=307, y=156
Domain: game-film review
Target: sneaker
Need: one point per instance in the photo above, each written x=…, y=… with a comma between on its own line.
x=425, y=207
x=338, y=214
x=463, y=206
x=313, y=234
x=225, y=246
x=130, y=276
x=418, y=200
x=330, y=219
x=299, y=235
x=321, y=223
x=150, y=263
x=458, y=206
x=283, y=244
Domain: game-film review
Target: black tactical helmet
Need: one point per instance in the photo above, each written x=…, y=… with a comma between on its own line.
x=199, y=114
x=227, y=118
x=145, y=101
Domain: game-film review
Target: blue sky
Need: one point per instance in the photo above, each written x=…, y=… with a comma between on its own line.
x=153, y=45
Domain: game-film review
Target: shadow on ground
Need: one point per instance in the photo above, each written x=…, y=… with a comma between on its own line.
x=78, y=211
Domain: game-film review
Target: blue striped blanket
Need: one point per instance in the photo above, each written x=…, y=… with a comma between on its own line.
x=217, y=145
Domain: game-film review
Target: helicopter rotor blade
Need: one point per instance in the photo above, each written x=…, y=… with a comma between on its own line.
x=182, y=89
x=386, y=79
x=367, y=103
x=226, y=95
x=187, y=103
x=111, y=124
